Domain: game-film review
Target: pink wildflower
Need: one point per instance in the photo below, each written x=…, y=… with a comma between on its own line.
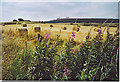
x=80, y=47
x=71, y=51
x=60, y=52
x=52, y=45
x=80, y=44
x=93, y=43
x=47, y=36
x=64, y=74
x=46, y=43
x=75, y=50
x=65, y=71
x=73, y=34
x=97, y=32
x=68, y=41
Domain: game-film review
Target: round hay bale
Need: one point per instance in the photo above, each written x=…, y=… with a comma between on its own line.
x=95, y=29
x=78, y=26
x=2, y=31
x=22, y=31
x=78, y=29
x=3, y=24
x=74, y=29
x=64, y=28
x=36, y=28
x=51, y=25
x=99, y=26
x=24, y=24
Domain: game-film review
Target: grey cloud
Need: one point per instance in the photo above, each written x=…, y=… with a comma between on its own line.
x=51, y=10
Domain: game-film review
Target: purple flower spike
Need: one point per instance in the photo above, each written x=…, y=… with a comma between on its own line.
x=73, y=34
x=99, y=31
x=71, y=51
x=47, y=36
x=64, y=74
x=75, y=50
x=65, y=71
x=60, y=52
x=81, y=44
x=46, y=43
x=68, y=41
x=87, y=36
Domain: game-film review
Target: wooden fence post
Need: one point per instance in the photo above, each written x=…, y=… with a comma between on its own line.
x=38, y=37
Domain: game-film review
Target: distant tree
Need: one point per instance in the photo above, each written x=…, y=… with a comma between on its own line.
x=14, y=20
x=20, y=19
x=42, y=22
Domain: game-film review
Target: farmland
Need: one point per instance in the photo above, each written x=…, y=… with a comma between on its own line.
x=57, y=30
x=89, y=54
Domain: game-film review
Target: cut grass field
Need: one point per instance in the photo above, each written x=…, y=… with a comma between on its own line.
x=57, y=30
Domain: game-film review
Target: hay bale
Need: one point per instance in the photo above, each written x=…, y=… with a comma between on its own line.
x=24, y=24
x=77, y=26
x=74, y=28
x=3, y=24
x=99, y=26
x=51, y=25
x=64, y=28
x=22, y=31
x=36, y=29
x=78, y=29
x=95, y=29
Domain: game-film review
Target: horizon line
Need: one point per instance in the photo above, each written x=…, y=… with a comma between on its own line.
x=66, y=18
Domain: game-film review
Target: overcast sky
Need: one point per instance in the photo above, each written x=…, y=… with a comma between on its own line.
x=51, y=10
